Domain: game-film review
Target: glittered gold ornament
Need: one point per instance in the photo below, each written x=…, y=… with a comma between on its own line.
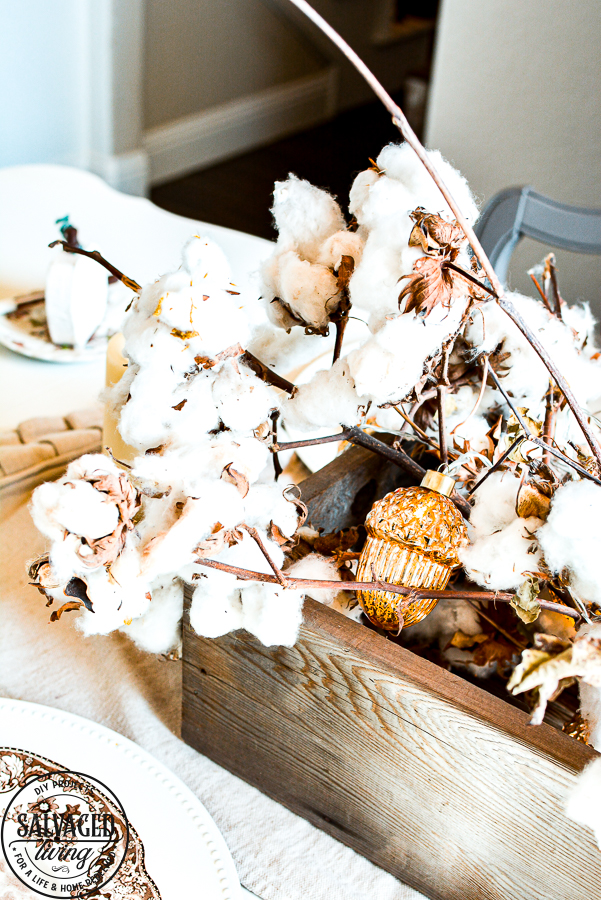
x=413, y=537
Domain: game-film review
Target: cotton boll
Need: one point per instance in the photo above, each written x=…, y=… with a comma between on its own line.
x=343, y=243
x=571, y=536
x=400, y=163
x=113, y=604
x=447, y=617
x=216, y=608
x=271, y=613
x=317, y=568
x=584, y=802
x=242, y=400
x=310, y=290
x=494, y=504
x=265, y=503
x=286, y=351
x=159, y=629
x=375, y=284
x=305, y=216
x=502, y=561
x=387, y=366
x=359, y=192
x=202, y=257
x=326, y=401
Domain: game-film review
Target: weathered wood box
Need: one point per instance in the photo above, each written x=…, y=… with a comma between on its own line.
x=432, y=778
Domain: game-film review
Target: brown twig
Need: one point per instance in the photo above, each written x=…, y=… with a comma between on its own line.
x=538, y=441
x=550, y=262
x=498, y=627
x=265, y=373
x=419, y=431
x=299, y=583
x=274, y=415
x=97, y=257
x=549, y=423
x=257, y=538
x=541, y=292
x=497, y=465
x=340, y=318
x=309, y=442
x=400, y=121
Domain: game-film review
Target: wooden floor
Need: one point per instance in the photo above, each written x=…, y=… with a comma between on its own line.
x=238, y=193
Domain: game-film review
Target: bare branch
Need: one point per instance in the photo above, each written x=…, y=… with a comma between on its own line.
x=265, y=373
x=97, y=257
x=257, y=538
x=300, y=583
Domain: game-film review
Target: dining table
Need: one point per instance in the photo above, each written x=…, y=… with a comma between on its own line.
x=52, y=412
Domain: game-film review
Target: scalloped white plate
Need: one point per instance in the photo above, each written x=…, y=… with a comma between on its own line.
x=28, y=335
x=185, y=854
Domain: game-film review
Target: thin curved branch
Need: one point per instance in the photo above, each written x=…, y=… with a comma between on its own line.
x=400, y=121
x=97, y=257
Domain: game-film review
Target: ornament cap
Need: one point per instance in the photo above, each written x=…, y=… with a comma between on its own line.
x=436, y=481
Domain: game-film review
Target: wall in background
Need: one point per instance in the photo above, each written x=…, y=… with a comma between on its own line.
x=201, y=54
x=42, y=73
x=515, y=100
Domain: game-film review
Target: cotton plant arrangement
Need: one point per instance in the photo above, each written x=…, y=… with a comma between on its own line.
x=497, y=387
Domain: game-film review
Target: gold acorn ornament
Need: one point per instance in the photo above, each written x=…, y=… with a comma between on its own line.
x=413, y=536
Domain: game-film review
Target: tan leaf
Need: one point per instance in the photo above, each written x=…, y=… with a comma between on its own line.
x=66, y=607
x=531, y=502
x=336, y=542
x=464, y=641
x=232, y=476
x=301, y=508
x=435, y=235
x=525, y=601
x=429, y=285
x=550, y=674
x=278, y=536
x=345, y=271
x=205, y=362
x=183, y=335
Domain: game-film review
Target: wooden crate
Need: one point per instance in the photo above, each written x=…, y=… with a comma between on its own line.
x=432, y=778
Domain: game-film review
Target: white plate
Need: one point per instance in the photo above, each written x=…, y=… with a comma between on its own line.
x=27, y=334
x=184, y=853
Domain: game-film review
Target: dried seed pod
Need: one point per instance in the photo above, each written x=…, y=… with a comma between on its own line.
x=413, y=538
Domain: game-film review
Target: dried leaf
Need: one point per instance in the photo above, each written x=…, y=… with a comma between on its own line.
x=301, y=508
x=183, y=335
x=429, y=285
x=495, y=650
x=77, y=587
x=465, y=641
x=550, y=674
x=205, y=362
x=179, y=406
x=531, y=502
x=279, y=537
x=525, y=601
x=435, y=235
x=336, y=542
x=232, y=476
x=66, y=607
x=345, y=271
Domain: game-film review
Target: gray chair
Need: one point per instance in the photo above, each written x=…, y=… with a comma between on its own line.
x=521, y=212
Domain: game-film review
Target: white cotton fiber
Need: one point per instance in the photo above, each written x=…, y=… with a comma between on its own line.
x=310, y=290
x=390, y=363
x=343, y=243
x=265, y=503
x=159, y=629
x=503, y=547
x=318, y=568
x=241, y=399
x=584, y=802
x=272, y=613
x=305, y=216
x=216, y=608
x=527, y=378
x=326, y=401
x=571, y=537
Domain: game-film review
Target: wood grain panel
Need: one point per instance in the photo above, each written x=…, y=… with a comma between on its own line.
x=428, y=776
